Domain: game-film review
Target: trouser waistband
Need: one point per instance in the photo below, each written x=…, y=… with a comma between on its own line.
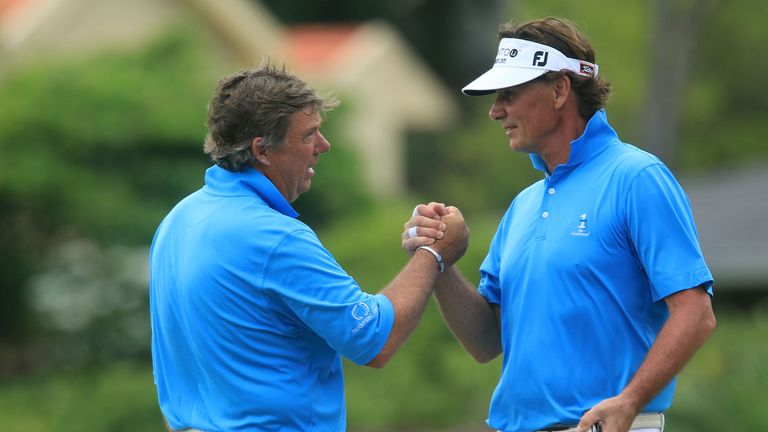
x=642, y=421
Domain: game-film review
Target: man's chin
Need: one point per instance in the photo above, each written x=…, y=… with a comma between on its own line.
x=305, y=187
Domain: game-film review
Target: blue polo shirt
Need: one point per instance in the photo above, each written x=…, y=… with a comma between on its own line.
x=580, y=266
x=250, y=313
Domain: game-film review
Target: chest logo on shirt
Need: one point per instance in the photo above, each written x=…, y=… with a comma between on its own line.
x=581, y=228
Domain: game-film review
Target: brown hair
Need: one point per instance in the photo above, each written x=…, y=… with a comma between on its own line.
x=565, y=37
x=255, y=103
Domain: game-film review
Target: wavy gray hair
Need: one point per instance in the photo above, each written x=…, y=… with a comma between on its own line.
x=256, y=103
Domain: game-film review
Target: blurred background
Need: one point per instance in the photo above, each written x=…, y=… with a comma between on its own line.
x=102, y=114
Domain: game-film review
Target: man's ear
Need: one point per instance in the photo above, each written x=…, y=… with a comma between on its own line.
x=562, y=91
x=259, y=152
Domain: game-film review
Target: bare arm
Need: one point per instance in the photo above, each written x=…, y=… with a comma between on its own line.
x=409, y=293
x=410, y=290
x=691, y=321
x=473, y=321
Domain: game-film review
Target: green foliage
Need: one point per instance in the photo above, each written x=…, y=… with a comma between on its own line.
x=89, y=145
x=120, y=398
x=723, y=388
x=101, y=148
x=471, y=167
x=725, y=111
x=107, y=145
x=98, y=147
x=723, y=106
x=91, y=303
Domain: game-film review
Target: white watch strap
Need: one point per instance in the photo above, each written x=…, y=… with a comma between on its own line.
x=438, y=257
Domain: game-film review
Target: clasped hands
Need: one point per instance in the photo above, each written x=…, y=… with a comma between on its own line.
x=438, y=226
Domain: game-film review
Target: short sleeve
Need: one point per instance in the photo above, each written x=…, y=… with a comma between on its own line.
x=663, y=234
x=305, y=277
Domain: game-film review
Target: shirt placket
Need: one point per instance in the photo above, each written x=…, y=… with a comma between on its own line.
x=546, y=208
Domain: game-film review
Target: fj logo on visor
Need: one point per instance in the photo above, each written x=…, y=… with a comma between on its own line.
x=540, y=58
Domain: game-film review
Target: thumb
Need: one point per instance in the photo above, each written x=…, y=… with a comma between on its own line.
x=588, y=420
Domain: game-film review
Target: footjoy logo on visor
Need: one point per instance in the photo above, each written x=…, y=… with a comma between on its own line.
x=540, y=58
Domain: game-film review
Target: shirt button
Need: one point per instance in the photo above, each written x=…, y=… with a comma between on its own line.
x=551, y=191
x=545, y=214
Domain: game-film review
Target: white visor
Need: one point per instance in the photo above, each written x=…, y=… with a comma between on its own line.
x=519, y=61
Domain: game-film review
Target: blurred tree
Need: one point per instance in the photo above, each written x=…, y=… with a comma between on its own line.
x=471, y=167
x=724, y=107
x=100, y=149
x=20, y=234
x=86, y=148
x=675, y=33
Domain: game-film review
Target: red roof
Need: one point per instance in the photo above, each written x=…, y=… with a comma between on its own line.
x=7, y=6
x=313, y=46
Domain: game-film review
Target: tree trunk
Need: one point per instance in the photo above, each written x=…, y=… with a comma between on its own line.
x=675, y=28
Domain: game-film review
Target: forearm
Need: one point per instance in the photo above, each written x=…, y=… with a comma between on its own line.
x=689, y=325
x=471, y=319
x=409, y=293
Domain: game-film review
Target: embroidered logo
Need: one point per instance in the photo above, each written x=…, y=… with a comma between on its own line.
x=363, y=314
x=360, y=311
x=581, y=228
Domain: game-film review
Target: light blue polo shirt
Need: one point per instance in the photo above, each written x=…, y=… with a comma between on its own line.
x=580, y=266
x=250, y=313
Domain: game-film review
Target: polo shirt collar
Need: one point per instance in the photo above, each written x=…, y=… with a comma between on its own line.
x=248, y=182
x=597, y=134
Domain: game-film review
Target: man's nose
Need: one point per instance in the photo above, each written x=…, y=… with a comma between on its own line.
x=324, y=145
x=497, y=110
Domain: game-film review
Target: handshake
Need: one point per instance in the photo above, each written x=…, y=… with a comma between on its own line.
x=440, y=227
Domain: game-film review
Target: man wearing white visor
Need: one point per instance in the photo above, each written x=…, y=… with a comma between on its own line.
x=594, y=289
